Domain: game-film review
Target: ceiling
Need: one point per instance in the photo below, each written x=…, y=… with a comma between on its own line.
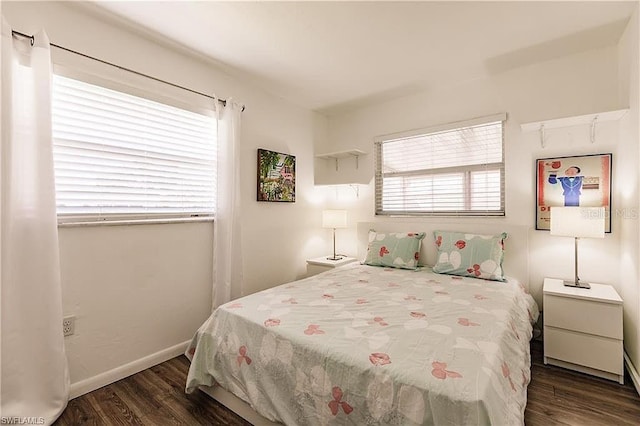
x=332, y=56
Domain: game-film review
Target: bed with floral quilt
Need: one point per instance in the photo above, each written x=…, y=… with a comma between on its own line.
x=372, y=345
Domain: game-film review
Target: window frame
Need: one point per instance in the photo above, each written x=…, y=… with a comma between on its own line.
x=146, y=89
x=379, y=176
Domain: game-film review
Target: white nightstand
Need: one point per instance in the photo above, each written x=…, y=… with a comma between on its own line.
x=583, y=329
x=322, y=264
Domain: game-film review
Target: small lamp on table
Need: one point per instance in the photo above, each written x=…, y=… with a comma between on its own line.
x=577, y=222
x=334, y=219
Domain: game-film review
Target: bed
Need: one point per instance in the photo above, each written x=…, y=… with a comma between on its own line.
x=373, y=345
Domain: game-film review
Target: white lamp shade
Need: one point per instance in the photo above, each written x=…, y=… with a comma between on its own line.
x=334, y=218
x=581, y=222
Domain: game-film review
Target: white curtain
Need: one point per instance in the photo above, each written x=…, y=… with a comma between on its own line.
x=34, y=375
x=227, y=251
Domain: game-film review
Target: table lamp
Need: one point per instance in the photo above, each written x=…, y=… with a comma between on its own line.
x=334, y=219
x=577, y=222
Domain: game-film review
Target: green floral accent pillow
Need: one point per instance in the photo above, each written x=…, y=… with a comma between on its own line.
x=394, y=249
x=470, y=255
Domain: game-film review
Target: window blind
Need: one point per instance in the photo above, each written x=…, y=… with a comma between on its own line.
x=453, y=172
x=118, y=155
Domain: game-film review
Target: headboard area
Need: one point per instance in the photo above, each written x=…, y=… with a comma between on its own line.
x=516, y=258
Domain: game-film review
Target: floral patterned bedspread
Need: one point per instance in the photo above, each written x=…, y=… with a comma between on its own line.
x=369, y=345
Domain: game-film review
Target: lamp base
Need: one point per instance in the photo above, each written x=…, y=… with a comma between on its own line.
x=335, y=258
x=578, y=284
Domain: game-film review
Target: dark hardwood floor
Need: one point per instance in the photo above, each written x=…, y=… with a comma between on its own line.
x=152, y=397
x=557, y=396
x=156, y=397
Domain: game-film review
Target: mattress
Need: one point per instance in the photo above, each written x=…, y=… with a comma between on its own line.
x=370, y=345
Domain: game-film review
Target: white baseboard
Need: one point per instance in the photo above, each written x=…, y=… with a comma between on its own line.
x=118, y=373
x=635, y=377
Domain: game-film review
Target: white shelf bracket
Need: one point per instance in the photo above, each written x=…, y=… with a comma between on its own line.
x=593, y=129
x=357, y=162
x=336, y=164
x=542, y=136
x=356, y=188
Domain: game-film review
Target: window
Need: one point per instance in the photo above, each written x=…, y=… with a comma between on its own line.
x=119, y=156
x=453, y=171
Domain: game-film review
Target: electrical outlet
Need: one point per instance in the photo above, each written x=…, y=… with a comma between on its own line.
x=69, y=325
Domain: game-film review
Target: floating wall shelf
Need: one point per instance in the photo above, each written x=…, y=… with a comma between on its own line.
x=574, y=121
x=342, y=154
x=591, y=119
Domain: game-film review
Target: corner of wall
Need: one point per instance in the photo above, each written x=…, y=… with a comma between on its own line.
x=627, y=199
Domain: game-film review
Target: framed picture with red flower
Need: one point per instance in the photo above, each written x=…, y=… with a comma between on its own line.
x=582, y=180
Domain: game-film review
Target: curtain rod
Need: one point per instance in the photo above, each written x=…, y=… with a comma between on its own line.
x=32, y=41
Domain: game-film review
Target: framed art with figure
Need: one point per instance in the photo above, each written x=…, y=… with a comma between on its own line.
x=276, y=176
x=583, y=180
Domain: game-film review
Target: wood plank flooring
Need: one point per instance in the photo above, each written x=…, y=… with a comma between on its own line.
x=156, y=397
x=152, y=397
x=557, y=396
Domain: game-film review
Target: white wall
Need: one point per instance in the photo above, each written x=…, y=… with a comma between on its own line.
x=629, y=57
x=138, y=290
x=573, y=85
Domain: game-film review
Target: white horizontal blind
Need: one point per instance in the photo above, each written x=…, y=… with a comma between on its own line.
x=455, y=172
x=121, y=156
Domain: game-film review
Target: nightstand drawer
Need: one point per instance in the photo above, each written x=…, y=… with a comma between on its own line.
x=323, y=264
x=316, y=269
x=602, y=319
x=591, y=351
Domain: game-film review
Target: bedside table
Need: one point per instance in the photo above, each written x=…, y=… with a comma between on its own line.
x=322, y=264
x=583, y=329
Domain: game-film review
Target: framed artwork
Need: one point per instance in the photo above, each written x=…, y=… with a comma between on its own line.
x=583, y=180
x=276, y=176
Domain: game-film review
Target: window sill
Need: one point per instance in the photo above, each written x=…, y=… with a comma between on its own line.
x=72, y=223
